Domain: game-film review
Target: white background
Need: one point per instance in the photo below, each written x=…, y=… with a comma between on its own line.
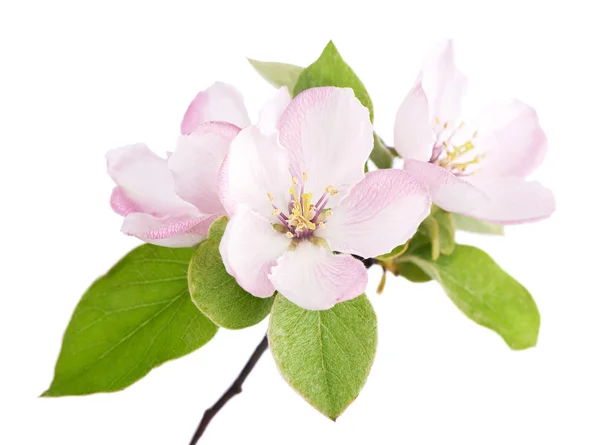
x=79, y=78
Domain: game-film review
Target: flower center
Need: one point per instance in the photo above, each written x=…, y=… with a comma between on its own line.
x=302, y=217
x=457, y=158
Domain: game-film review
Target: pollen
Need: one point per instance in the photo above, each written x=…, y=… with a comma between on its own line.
x=328, y=213
x=289, y=235
x=271, y=197
x=329, y=189
x=294, y=180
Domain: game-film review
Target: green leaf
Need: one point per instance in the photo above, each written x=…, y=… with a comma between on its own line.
x=331, y=70
x=431, y=228
x=410, y=271
x=325, y=356
x=467, y=224
x=380, y=155
x=485, y=293
x=396, y=252
x=216, y=293
x=278, y=74
x=446, y=231
x=136, y=317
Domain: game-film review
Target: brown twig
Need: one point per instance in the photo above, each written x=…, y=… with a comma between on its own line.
x=233, y=390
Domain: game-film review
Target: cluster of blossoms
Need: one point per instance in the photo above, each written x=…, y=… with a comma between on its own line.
x=302, y=209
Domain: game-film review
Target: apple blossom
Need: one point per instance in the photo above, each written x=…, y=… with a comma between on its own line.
x=171, y=202
x=300, y=196
x=223, y=102
x=480, y=169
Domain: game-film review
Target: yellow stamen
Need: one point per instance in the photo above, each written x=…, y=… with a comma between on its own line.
x=293, y=193
x=276, y=212
x=462, y=124
x=289, y=235
x=445, y=125
x=294, y=180
x=329, y=189
x=328, y=213
x=304, y=176
x=437, y=120
x=271, y=197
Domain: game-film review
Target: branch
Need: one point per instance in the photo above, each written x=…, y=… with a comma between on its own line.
x=233, y=390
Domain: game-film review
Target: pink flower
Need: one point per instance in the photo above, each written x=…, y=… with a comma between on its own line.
x=480, y=169
x=224, y=103
x=298, y=197
x=171, y=202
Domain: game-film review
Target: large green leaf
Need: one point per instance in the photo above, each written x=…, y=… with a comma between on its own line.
x=216, y=293
x=467, y=224
x=136, y=317
x=278, y=74
x=331, y=70
x=484, y=292
x=325, y=356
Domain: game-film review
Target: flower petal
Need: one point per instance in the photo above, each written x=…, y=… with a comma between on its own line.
x=413, y=132
x=513, y=201
x=196, y=162
x=329, y=136
x=167, y=231
x=511, y=140
x=316, y=279
x=447, y=191
x=250, y=248
x=145, y=182
x=220, y=102
x=270, y=114
x=255, y=166
x=381, y=212
x=443, y=83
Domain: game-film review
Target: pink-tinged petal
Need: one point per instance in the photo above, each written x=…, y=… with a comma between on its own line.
x=413, y=132
x=513, y=201
x=329, y=136
x=511, y=140
x=120, y=203
x=443, y=83
x=447, y=191
x=381, y=212
x=255, y=167
x=316, y=279
x=250, y=248
x=220, y=102
x=167, y=231
x=270, y=114
x=145, y=181
x=196, y=162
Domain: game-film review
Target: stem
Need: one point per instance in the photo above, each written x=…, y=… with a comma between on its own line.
x=234, y=389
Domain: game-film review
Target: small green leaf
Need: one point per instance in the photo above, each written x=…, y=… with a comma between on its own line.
x=331, y=70
x=410, y=271
x=216, y=293
x=136, y=317
x=325, y=356
x=278, y=74
x=380, y=155
x=431, y=228
x=485, y=293
x=467, y=224
x=396, y=252
x=446, y=231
